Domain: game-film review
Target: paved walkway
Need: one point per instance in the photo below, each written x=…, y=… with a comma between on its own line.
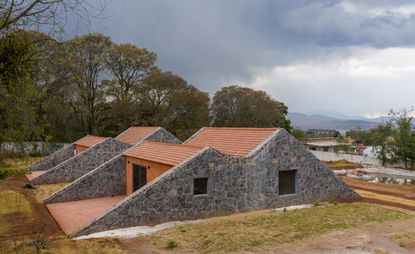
x=34, y=174
x=74, y=214
x=394, y=172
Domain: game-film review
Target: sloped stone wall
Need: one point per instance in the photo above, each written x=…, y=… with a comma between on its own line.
x=83, y=163
x=54, y=159
x=109, y=179
x=235, y=184
x=162, y=135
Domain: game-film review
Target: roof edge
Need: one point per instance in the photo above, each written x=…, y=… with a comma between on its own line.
x=263, y=143
x=194, y=135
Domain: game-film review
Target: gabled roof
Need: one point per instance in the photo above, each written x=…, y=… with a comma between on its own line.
x=89, y=140
x=133, y=135
x=165, y=153
x=232, y=141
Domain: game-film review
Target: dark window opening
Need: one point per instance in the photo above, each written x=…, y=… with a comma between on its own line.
x=287, y=182
x=139, y=176
x=200, y=186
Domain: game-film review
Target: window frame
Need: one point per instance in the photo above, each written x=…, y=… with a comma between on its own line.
x=295, y=183
x=206, y=186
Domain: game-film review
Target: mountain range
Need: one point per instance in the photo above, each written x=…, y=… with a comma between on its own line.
x=318, y=121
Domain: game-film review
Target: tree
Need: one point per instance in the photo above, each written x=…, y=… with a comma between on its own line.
x=167, y=100
x=87, y=63
x=129, y=65
x=15, y=14
x=237, y=106
x=17, y=93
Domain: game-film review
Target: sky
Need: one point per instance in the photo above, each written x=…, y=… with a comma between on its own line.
x=348, y=57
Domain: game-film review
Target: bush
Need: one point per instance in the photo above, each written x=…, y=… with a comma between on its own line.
x=172, y=244
x=5, y=172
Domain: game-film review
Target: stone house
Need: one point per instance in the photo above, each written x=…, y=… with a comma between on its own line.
x=89, y=152
x=217, y=171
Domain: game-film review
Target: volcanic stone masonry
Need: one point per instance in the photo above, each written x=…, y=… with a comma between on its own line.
x=54, y=159
x=235, y=184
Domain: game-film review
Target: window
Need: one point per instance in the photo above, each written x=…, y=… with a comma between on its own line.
x=200, y=186
x=287, y=182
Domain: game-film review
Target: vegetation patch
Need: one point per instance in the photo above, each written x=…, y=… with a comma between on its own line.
x=406, y=240
x=242, y=232
x=342, y=164
x=13, y=208
x=45, y=190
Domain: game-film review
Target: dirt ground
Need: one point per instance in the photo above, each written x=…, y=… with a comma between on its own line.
x=405, y=191
x=374, y=238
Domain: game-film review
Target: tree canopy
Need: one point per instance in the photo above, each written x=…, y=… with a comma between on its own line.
x=244, y=107
x=62, y=90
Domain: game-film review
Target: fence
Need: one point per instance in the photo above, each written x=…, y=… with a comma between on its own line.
x=29, y=148
x=329, y=156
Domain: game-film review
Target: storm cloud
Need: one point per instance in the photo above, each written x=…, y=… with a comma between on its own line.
x=346, y=56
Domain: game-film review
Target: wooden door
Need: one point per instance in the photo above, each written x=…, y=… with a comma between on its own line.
x=139, y=176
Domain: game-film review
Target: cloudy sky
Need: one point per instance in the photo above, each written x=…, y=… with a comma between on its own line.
x=351, y=57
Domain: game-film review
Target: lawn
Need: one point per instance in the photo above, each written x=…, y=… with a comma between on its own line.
x=247, y=232
x=342, y=164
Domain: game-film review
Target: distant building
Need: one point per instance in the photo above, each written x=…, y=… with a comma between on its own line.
x=324, y=144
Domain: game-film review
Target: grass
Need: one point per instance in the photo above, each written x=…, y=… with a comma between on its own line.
x=406, y=240
x=13, y=208
x=13, y=166
x=66, y=246
x=342, y=164
x=45, y=190
x=243, y=232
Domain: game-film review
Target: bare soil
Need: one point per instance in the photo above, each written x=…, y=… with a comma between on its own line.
x=404, y=191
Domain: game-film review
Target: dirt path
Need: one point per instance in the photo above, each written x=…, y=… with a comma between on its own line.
x=404, y=191
x=40, y=215
x=373, y=238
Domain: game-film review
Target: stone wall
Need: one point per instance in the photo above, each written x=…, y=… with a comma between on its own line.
x=235, y=184
x=162, y=135
x=106, y=180
x=111, y=173
x=83, y=163
x=32, y=148
x=54, y=159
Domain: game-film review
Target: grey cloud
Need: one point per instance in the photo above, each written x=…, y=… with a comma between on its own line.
x=213, y=43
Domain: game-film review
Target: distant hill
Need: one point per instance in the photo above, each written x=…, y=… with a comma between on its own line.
x=317, y=121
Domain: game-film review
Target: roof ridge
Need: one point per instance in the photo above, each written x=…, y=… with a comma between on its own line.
x=173, y=144
x=243, y=128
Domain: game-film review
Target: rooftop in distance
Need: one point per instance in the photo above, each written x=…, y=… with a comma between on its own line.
x=89, y=140
x=135, y=134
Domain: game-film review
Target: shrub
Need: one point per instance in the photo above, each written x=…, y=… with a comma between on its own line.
x=5, y=172
x=172, y=244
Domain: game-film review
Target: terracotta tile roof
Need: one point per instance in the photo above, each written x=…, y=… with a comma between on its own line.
x=170, y=154
x=232, y=141
x=135, y=134
x=89, y=140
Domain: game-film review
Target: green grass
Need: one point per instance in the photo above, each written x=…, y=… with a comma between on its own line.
x=254, y=230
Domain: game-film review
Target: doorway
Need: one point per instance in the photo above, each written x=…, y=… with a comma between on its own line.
x=139, y=176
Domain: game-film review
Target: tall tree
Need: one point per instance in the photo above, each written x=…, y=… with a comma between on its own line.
x=129, y=65
x=237, y=106
x=15, y=14
x=17, y=93
x=87, y=62
x=167, y=100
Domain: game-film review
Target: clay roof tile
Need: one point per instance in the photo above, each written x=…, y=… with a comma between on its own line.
x=232, y=141
x=165, y=153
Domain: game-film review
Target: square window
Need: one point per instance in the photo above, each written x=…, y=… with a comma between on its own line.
x=200, y=186
x=287, y=182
